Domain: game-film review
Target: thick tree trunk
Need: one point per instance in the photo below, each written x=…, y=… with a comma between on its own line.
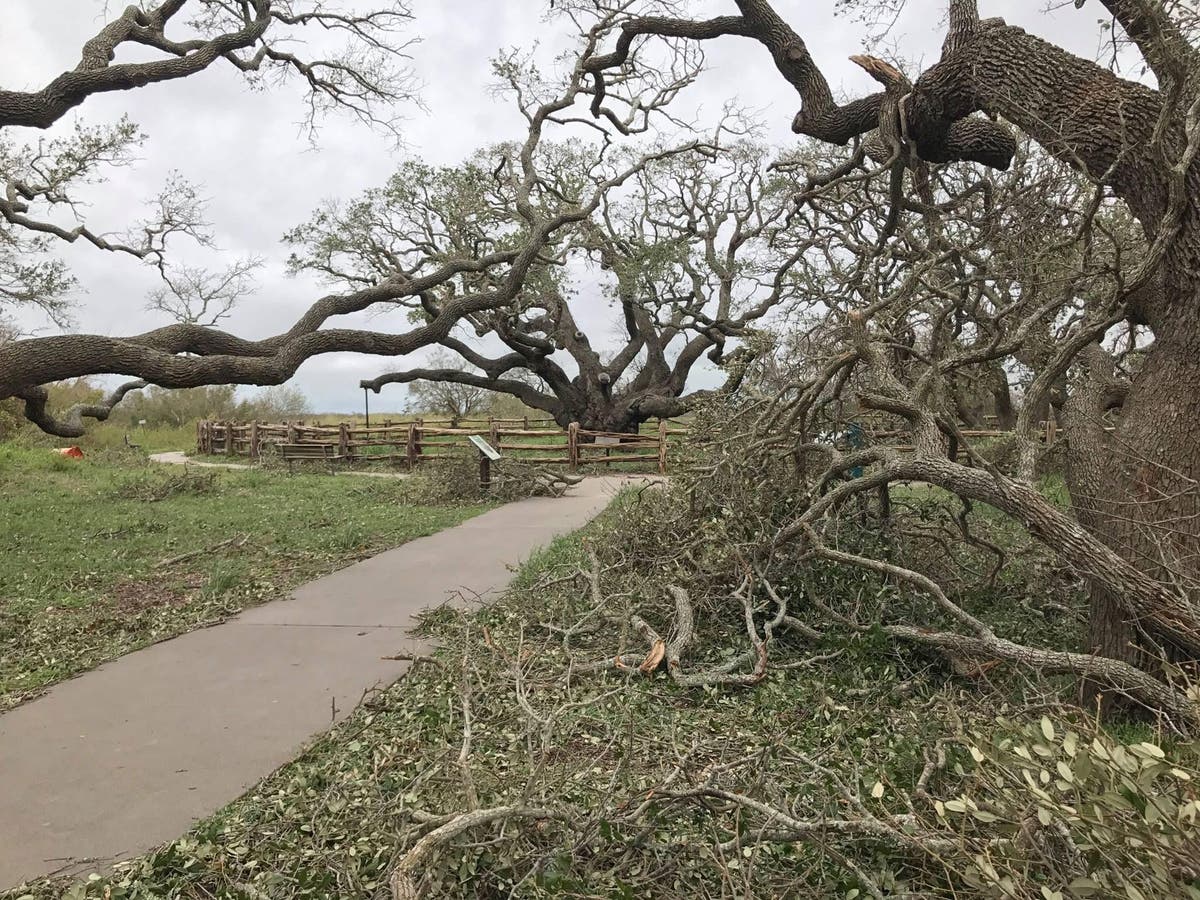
x=598, y=415
x=1134, y=488
x=624, y=412
x=1002, y=403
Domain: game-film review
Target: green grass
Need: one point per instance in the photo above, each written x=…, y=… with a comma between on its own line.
x=111, y=436
x=86, y=550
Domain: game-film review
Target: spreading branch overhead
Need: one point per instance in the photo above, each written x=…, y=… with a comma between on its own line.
x=250, y=36
x=820, y=116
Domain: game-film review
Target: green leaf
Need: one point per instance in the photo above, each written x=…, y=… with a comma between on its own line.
x=1047, y=728
x=1084, y=886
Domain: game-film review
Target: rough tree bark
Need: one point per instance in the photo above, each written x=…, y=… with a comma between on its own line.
x=1135, y=488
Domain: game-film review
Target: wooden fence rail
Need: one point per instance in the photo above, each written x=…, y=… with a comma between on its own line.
x=411, y=443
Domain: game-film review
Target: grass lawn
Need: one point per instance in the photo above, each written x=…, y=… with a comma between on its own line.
x=112, y=436
x=107, y=554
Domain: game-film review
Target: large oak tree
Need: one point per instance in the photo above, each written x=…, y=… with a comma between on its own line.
x=689, y=259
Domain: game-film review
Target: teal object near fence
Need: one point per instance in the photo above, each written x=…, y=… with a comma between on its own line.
x=857, y=439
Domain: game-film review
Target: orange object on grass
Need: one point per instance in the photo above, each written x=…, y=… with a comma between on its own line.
x=72, y=452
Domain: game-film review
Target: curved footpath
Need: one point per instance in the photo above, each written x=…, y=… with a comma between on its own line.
x=128, y=756
x=179, y=458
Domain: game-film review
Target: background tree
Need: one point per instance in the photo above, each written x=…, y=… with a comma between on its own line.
x=157, y=406
x=691, y=258
x=458, y=401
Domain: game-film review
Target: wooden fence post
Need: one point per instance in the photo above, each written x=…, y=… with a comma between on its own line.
x=662, y=446
x=525, y=421
x=291, y=433
x=494, y=434
x=344, y=440
x=485, y=472
x=573, y=446
x=411, y=447
x=254, y=440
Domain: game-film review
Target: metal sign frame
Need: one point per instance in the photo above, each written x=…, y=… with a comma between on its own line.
x=484, y=447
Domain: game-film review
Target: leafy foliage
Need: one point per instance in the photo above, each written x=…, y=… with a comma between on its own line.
x=162, y=407
x=1067, y=812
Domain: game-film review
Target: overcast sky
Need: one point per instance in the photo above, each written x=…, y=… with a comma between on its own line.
x=263, y=176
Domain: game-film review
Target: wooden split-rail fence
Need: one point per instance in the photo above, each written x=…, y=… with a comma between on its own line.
x=411, y=443
x=1047, y=433
x=535, y=441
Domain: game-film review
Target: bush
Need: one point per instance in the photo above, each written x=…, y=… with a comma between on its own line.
x=159, y=407
x=452, y=480
x=456, y=480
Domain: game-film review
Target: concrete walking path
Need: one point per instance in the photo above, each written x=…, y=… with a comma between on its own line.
x=179, y=458
x=123, y=758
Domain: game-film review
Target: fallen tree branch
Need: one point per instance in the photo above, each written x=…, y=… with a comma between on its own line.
x=405, y=878
x=235, y=541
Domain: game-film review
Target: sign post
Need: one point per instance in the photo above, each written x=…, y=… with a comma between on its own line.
x=487, y=454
